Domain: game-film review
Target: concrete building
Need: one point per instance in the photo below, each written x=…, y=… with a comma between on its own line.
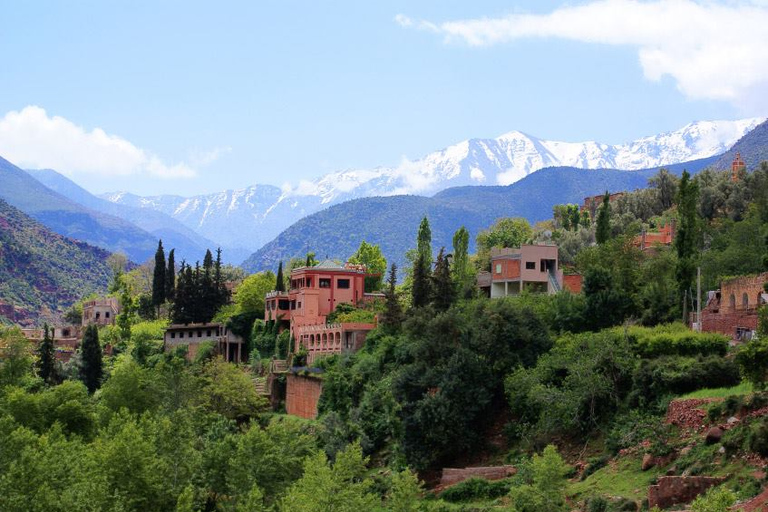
x=533, y=268
x=314, y=293
x=228, y=345
x=101, y=311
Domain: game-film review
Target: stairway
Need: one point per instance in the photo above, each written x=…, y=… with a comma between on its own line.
x=279, y=366
x=261, y=385
x=553, y=282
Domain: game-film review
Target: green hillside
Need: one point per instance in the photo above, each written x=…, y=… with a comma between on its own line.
x=43, y=273
x=753, y=148
x=70, y=219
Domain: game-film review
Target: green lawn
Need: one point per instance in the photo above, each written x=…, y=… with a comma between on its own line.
x=744, y=388
x=624, y=478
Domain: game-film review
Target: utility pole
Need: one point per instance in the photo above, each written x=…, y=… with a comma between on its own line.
x=698, y=299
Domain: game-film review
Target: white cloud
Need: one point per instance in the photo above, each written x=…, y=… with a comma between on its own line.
x=712, y=50
x=31, y=139
x=204, y=158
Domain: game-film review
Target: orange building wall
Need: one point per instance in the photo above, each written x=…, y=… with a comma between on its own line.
x=572, y=283
x=510, y=269
x=302, y=395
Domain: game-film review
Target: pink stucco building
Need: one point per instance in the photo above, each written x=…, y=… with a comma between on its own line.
x=313, y=294
x=531, y=267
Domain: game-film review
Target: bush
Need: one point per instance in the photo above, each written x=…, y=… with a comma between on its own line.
x=673, y=339
x=476, y=489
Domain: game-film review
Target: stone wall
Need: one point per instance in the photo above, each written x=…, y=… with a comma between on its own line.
x=453, y=476
x=673, y=490
x=302, y=395
x=732, y=310
x=572, y=282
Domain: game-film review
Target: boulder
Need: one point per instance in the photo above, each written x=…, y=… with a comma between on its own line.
x=714, y=435
x=648, y=462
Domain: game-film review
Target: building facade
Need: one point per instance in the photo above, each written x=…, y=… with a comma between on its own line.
x=101, y=311
x=664, y=237
x=228, y=345
x=532, y=268
x=66, y=339
x=313, y=294
x=732, y=310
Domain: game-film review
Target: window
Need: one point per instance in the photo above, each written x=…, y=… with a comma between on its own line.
x=173, y=335
x=498, y=268
x=66, y=333
x=732, y=301
x=530, y=265
x=106, y=315
x=309, y=282
x=199, y=334
x=190, y=334
x=342, y=284
x=298, y=305
x=284, y=304
x=98, y=315
x=209, y=333
x=745, y=301
x=325, y=283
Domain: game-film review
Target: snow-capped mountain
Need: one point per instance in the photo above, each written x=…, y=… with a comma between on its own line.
x=247, y=219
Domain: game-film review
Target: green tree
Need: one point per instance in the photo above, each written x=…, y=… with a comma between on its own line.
x=46, y=357
x=461, y=269
x=340, y=487
x=91, y=353
x=603, y=229
x=250, y=294
x=444, y=292
x=158, y=277
x=371, y=256
x=127, y=313
x=229, y=392
x=170, y=276
x=424, y=240
x=665, y=184
x=406, y=492
x=686, y=237
x=717, y=499
x=752, y=357
x=392, y=316
x=280, y=280
x=421, y=288
x=504, y=233
x=15, y=356
x=545, y=490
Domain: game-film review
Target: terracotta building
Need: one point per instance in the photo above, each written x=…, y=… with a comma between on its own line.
x=66, y=339
x=228, y=345
x=732, y=310
x=313, y=294
x=531, y=267
x=101, y=311
x=592, y=203
x=665, y=236
x=737, y=167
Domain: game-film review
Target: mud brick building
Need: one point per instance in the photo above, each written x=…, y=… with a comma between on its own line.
x=732, y=310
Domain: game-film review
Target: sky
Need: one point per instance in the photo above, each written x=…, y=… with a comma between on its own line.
x=188, y=97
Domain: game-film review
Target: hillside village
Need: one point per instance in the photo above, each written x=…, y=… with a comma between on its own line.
x=613, y=357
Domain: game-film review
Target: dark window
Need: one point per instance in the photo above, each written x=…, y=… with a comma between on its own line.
x=98, y=315
x=299, y=305
x=325, y=283
x=293, y=304
x=106, y=315
x=284, y=304
x=209, y=333
x=342, y=284
x=530, y=265
x=173, y=335
x=190, y=334
x=66, y=333
x=309, y=282
x=199, y=334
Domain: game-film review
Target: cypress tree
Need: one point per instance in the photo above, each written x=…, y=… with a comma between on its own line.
x=444, y=290
x=460, y=268
x=424, y=242
x=603, y=229
x=170, y=277
x=686, y=236
x=158, y=278
x=393, y=313
x=222, y=294
x=209, y=294
x=280, y=282
x=421, y=289
x=46, y=363
x=91, y=369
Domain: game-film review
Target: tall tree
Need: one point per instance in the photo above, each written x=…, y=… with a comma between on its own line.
x=170, y=276
x=686, y=237
x=424, y=240
x=158, y=278
x=127, y=312
x=371, y=256
x=46, y=362
x=222, y=294
x=280, y=281
x=91, y=369
x=603, y=229
x=460, y=268
x=393, y=313
x=311, y=261
x=444, y=292
x=421, y=289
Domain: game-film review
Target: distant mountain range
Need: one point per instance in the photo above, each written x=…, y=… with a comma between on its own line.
x=245, y=220
x=187, y=242
x=41, y=272
x=392, y=222
x=70, y=218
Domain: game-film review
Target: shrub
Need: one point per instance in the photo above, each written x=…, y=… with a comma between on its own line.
x=476, y=489
x=673, y=339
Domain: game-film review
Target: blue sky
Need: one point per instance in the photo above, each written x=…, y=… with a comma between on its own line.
x=196, y=97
